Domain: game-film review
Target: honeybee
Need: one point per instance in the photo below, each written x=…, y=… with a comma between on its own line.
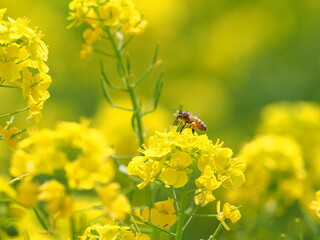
x=187, y=118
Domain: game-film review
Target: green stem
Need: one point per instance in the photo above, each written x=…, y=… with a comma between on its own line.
x=182, y=214
x=202, y=215
x=160, y=229
x=213, y=236
x=190, y=218
x=45, y=225
x=13, y=113
x=7, y=86
x=130, y=88
x=72, y=229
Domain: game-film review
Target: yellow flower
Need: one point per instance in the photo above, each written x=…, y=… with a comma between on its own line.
x=9, y=70
x=173, y=177
x=7, y=133
x=278, y=161
x=128, y=235
x=23, y=57
x=106, y=232
x=75, y=148
x=143, y=216
x=86, y=51
x=208, y=180
x=56, y=201
x=132, y=21
x=111, y=231
x=203, y=197
x=110, y=13
x=116, y=205
x=163, y=215
x=176, y=174
x=315, y=204
x=5, y=187
x=145, y=169
x=229, y=212
x=174, y=155
x=157, y=147
x=28, y=193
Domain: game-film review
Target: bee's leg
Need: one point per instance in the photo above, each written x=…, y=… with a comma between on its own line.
x=193, y=127
x=175, y=121
x=182, y=128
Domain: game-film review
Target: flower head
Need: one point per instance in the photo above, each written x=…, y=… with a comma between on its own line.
x=118, y=16
x=75, y=148
x=116, y=205
x=172, y=156
x=228, y=212
x=56, y=201
x=163, y=214
x=315, y=204
x=23, y=57
x=8, y=134
x=111, y=231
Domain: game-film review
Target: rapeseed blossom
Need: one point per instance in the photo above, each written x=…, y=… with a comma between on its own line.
x=57, y=202
x=23, y=57
x=228, y=212
x=315, y=204
x=301, y=122
x=8, y=133
x=75, y=148
x=172, y=156
x=278, y=161
x=111, y=231
x=116, y=205
x=162, y=215
x=117, y=16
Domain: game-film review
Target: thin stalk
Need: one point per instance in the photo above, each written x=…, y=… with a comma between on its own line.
x=176, y=202
x=13, y=113
x=18, y=133
x=104, y=53
x=131, y=89
x=190, y=217
x=160, y=229
x=7, y=86
x=201, y=215
x=213, y=236
x=182, y=214
x=72, y=229
x=124, y=157
x=45, y=225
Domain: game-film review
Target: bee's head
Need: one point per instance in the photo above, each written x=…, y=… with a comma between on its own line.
x=178, y=113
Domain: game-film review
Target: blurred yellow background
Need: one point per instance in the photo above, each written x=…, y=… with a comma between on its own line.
x=224, y=60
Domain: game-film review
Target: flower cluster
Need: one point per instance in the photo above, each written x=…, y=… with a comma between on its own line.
x=111, y=231
x=172, y=156
x=301, y=122
x=278, y=160
x=75, y=148
x=163, y=215
x=315, y=204
x=117, y=15
x=23, y=57
x=58, y=162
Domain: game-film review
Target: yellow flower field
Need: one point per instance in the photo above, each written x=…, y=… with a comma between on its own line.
x=159, y=120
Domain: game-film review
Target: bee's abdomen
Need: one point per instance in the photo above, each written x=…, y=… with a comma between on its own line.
x=200, y=124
